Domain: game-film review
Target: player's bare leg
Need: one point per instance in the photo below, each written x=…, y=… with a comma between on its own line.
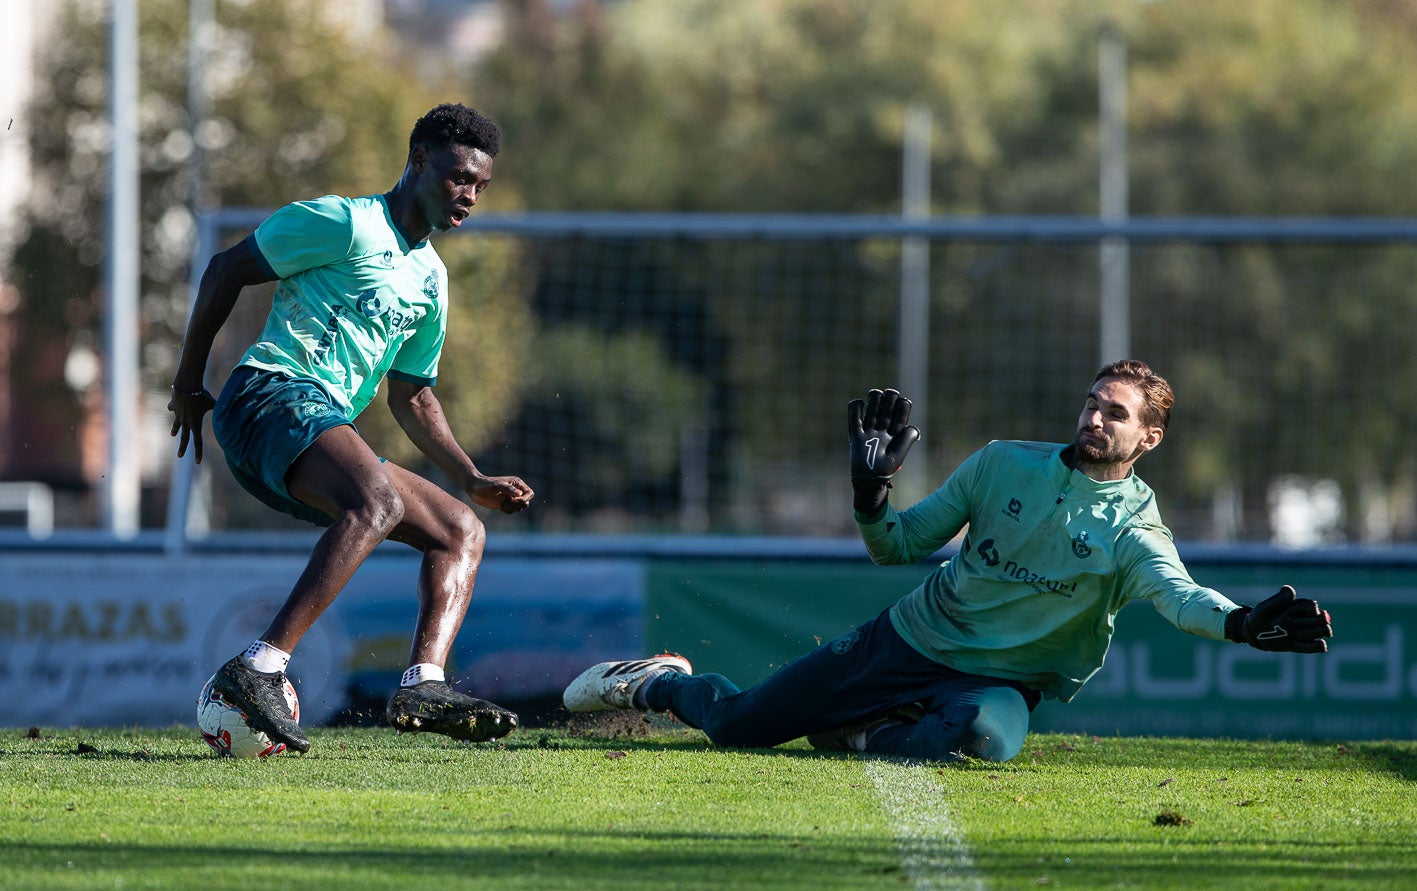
x=452, y=538
x=339, y=475
x=372, y=501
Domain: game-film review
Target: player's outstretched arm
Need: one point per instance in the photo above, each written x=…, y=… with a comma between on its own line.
x=420, y=415
x=1284, y=623
x=881, y=436
x=225, y=276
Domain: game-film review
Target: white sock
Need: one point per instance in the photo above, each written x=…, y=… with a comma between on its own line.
x=423, y=671
x=263, y=657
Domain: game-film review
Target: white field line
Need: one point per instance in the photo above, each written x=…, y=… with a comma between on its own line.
x=931, y=848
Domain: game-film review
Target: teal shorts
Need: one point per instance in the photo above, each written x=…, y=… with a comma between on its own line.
x=263, y=421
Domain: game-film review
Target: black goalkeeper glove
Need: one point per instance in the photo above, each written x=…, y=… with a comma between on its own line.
x=1282, y=624
x=880, y=440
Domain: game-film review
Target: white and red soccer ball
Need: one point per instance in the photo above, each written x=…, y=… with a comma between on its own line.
x=224, y=726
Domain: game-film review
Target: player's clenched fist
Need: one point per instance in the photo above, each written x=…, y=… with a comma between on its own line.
x=881, y=436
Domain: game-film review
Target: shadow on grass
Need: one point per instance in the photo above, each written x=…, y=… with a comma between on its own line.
x=109, y=753
x=1170, y=753
x=620, y=731
x=1097, y=861
x=1398, y=758
x=572, y=859
x=634, y=731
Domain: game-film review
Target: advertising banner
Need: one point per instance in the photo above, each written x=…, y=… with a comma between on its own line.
x=1160, y=682
x=93, y=639
x=744, y=620
x=113, y=638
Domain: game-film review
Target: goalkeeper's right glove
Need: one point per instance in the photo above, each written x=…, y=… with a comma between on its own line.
x=880, y=439
x=1283, y=623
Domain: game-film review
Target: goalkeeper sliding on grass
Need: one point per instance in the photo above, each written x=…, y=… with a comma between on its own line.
x=1060, y=538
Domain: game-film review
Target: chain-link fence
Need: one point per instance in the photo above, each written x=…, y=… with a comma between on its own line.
x=682, y=373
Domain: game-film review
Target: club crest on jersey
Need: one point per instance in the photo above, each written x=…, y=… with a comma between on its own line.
x=1081, y=549
x=430, y=286
x=371, y=304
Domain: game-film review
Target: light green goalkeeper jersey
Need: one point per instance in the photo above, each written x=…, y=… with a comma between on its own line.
x=1050, y=558
x=355, y=300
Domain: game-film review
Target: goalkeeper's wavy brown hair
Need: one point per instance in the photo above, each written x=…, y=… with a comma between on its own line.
x=1156, y=393
x=455, y=124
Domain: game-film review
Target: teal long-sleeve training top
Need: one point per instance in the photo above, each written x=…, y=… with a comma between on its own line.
x=1051, y=556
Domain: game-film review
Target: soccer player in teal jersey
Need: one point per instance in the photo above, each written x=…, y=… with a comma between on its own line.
x=362, y=297
x=1060, y=538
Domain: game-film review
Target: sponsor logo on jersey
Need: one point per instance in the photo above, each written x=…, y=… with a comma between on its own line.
x=990, y=553
x=327, y=340
x=371, y=304
x=399, y=319
x=1016, y=572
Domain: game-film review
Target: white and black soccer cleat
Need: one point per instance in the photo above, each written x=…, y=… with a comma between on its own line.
x=613, y=684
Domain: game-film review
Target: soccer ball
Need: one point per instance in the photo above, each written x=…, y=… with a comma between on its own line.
x=224, y=726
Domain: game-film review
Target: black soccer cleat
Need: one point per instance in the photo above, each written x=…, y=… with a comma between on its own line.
x=261, y=695
x=435, y=707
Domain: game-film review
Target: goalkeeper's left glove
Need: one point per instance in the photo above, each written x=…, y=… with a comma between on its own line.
x=1283, y=623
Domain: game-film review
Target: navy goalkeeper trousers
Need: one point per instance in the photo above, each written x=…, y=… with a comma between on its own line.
x=858, y=676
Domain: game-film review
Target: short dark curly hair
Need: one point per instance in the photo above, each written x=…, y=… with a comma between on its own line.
x=455, y=124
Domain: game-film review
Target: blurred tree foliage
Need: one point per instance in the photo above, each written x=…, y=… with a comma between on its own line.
x=1266, y=107
x=1269, y=107
x=300, y=106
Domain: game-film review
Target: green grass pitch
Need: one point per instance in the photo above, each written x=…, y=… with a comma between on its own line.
x=624, y=804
